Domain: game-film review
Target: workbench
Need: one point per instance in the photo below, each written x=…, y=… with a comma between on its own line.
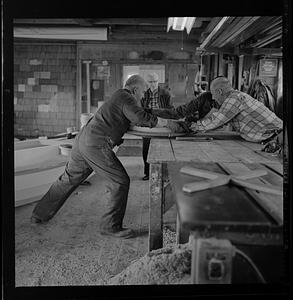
x=226, y=211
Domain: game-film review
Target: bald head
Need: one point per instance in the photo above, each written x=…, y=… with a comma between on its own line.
x=137, y=86
x=221, y=83
x=134, y=81
x=220, y=87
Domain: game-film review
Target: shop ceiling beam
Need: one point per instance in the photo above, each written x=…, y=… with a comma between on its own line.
x=259, y=51
x=214, y=32
x=212, y=24
x=267, y=38
x=276, y=23
x=243, y=24
x=234, y=25
x=262, y=22
x=270, y=40
x=214, y=50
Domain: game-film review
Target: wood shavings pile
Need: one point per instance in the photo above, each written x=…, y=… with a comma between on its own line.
x=170, y=265
x=169, y=237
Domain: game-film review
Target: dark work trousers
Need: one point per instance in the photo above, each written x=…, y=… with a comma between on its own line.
x=85, y=159
x=145, y=151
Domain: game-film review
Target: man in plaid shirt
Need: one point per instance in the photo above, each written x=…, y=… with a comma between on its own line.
x=154, y=98
x=251, y=118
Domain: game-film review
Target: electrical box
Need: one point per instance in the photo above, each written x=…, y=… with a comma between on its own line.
x=212, y=261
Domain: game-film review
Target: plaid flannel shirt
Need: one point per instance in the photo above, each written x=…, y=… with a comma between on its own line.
x=154, y=96
x=251, y=118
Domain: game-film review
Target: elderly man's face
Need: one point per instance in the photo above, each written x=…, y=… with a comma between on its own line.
x=139, y=92
x=153, y=84
x=216, y=94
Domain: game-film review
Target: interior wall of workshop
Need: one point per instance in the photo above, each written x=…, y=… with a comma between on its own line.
x=180, y=66
x=44, y=88
x=217, y=64
x=251, y=65
x=46, y=99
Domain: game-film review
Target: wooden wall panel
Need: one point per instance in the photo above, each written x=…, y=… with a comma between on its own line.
x=178, y=83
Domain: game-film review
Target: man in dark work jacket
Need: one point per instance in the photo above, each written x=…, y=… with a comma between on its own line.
x=154, y=98
x=192, y=111
x=92, y=151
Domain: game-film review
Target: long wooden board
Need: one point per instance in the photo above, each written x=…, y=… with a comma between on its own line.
x=188, y=151
x=160, y=150
x=242, y=153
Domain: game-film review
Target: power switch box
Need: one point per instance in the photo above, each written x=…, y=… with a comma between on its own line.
x=212, y=261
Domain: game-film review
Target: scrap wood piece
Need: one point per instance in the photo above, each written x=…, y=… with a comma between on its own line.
x=267, y=188
x=250, y=174
x=200, y=173
x=214, y=175
x=218, y=179
x=204, y=185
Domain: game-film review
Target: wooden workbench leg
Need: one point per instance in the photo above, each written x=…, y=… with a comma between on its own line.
x=182, y=235
x=156, y=207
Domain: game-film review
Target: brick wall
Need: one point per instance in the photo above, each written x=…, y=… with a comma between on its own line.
x=44, y=89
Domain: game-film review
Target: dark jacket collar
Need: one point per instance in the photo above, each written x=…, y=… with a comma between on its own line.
x=127, y=90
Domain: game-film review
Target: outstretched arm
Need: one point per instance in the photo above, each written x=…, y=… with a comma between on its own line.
x=228, y=110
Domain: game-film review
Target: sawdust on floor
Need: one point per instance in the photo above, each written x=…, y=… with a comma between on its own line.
x=169, y=265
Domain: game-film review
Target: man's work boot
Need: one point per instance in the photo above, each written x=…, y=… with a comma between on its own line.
x=145, y=177
x=125, y=233
x=35, y=220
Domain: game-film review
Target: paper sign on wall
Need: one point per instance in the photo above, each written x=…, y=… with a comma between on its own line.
x=102, y=72
x=268, y=67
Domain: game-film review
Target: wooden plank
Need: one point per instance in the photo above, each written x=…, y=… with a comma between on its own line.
x=188, y=151
x=216, y=152
x=272, y=177
x=263, y=156
x=219, y=134
x=244, y=22
x=156, y=207
x=272, y=204
x=274, y=190
x=278, y=168
x=250, y=145
x=244, y=154
x=251, y=174
x=221, y=64
x=199, y=173
x=240, y=70
x=212, y=175
x=160, y=150
x=205, y=184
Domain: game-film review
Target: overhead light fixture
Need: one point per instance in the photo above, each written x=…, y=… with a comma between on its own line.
x=179, y=23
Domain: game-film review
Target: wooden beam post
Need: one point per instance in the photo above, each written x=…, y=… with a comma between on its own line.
x=240, y=70
x=221, y=69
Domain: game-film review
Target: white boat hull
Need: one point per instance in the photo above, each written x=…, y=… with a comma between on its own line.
x=37, y=164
